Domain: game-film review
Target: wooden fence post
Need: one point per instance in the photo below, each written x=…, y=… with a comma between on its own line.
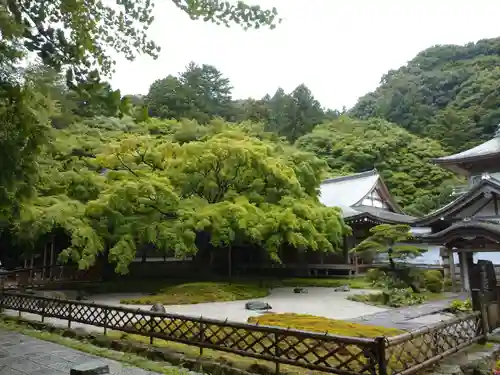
x=105, y=321
x=151, y=329
x=70, y=312
x=277, y=353
x=202, y=336
x=44, y=303
x=380, y=344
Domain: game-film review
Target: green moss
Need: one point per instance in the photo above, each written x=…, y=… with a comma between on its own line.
x=201, y=292
x=354, y=283
x=323, y=325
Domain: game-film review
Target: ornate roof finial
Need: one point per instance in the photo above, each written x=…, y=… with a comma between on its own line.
x=497, y=132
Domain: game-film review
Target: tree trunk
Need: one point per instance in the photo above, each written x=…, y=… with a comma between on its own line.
x=229, y=261
x=211, y=260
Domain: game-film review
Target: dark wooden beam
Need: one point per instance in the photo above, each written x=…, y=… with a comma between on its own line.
x=481, y=207
x=495, y=202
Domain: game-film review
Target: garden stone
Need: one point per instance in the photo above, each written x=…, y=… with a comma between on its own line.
x=91, y=368
x=158, y=308
x=343, y=288
x=257, y=306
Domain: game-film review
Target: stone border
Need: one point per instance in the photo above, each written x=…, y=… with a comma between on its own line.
x=147, y=351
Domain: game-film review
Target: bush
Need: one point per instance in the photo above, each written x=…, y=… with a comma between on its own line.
x=458, y=306
x=376, y=276
x=447, y=284
x=391, y=298
x=433, y=281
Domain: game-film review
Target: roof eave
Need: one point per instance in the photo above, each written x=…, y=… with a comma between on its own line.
x=446, y=161
x=433, y=217
x=372, y=217
x=451, y=234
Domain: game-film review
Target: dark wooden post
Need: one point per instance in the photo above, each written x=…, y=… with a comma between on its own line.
x=275, y=338
x=70, y=313
x=105, y=323
x=202, y=335
x=382, y=360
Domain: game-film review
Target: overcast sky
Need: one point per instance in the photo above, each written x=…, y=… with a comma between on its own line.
x=338, y=48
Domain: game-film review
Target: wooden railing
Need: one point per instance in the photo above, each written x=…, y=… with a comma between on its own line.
x=403, y=354
x=42, y=276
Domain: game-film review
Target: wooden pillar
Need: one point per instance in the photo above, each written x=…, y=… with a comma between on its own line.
x=44, y=262
x=469, y=259
x=51, y=258
x=453, y=275
x=466, y=262
x=345, y=249
x=32, y=264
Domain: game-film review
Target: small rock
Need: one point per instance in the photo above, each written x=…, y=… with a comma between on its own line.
x=343, y=288
x=158, y=307
x=257, y=305
x=92, y=368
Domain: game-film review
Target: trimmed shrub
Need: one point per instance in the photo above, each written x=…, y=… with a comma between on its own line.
x=433, y=281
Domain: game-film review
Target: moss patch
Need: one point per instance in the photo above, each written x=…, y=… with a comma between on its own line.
x=354, y=283
x=320, y=324
x=201, y=292
x=396, y=298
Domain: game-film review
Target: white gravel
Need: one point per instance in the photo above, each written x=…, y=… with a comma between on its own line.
x=317, y=301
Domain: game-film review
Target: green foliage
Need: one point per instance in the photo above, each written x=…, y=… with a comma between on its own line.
x=388, y=239
x=393, y=297
x=447, y=92
x=200, y=93
x=376, y=276
x=350, y=145
x=136, y=190
x=458, y=306
x=77, y=38
x=433, y=281
x=201, y=292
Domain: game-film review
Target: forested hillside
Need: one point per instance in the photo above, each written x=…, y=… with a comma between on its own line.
x=449, y=93
x=403, y=159
x=187, y=169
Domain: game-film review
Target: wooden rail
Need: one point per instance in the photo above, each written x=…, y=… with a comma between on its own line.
x=48, y=276
x=403, y=354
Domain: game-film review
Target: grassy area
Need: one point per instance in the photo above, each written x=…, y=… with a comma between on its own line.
x=199, y=292
x=128, y=358
x=220, y=362
x=259, y=340
x=323, y=325
x=354, y=283
x=396, y=299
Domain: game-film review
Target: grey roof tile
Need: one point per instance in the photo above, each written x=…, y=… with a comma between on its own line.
x=347, y=190
x=488, y=148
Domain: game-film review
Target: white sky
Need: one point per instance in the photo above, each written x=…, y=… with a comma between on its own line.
x=338, y=48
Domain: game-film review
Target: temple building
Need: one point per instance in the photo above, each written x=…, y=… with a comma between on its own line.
x=365, y=202
x=471, y=223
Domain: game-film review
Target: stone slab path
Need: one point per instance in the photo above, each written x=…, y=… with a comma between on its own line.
x=25, y=355
x=412, y=317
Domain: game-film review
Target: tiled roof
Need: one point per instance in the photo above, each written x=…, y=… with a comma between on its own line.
x=484, y=150
x=489, y=229
x=347, y=190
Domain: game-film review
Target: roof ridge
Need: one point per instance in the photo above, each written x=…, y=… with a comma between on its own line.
x=352, y=176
